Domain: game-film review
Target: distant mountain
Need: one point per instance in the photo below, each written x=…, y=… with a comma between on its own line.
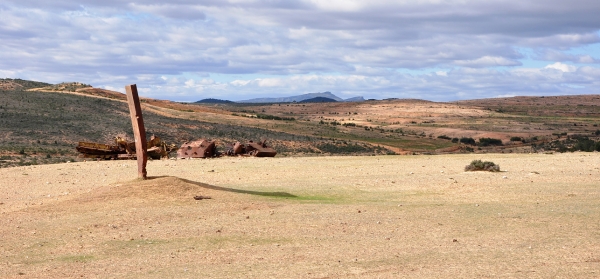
x=318, y=100
x=355, y=99
x=213, y=101
x=298, y=98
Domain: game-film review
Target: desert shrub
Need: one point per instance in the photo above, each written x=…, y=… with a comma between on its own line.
x=489, y=141
x=516, y=139
x=470, y=141
x=454, y=140
x=478, y=165
x=444, y=137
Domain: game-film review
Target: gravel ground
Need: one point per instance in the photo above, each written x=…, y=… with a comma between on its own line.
x=317, y=217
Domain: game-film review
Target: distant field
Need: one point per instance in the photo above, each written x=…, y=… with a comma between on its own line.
x=305, y=217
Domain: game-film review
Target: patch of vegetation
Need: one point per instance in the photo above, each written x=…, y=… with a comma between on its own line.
x=571, y=144
x=489, y=141
x=444, y=137
x=274, y=117
x=478, y=165
x=469, y=141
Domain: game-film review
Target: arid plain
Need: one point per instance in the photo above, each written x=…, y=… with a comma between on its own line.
x=305, y=217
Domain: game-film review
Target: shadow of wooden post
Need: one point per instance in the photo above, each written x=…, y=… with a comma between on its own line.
x=139, y=131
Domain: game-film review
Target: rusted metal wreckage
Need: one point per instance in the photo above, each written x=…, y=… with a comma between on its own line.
x=122, y=149
x=259, y=149
x=157, y=149
x=206, y=149
x=197, y=149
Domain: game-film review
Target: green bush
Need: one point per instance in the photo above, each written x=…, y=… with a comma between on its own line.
x=470, y=141
x=478, y=165
x=489, y=141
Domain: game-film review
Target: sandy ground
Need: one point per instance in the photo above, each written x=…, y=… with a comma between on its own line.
x=326, y=217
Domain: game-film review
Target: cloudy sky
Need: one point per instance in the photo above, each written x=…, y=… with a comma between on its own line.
x=187, y=50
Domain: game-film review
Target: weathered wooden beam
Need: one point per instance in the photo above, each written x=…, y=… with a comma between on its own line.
x=139, y=131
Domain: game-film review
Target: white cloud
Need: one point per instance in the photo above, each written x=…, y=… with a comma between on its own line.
x=562, y=67
x=488, y=61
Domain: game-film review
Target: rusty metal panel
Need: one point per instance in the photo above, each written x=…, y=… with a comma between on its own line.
x=197, y=149
x=93, y=148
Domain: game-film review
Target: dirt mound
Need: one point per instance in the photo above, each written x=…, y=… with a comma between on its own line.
x=154, y=191
x=154, y=188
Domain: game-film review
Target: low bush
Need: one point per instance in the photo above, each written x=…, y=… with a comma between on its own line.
x=478, y=165
x=469, y=141
x=489, y=141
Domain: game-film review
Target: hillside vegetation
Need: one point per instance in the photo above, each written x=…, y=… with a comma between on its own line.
x=42, y=123
x=44, y=127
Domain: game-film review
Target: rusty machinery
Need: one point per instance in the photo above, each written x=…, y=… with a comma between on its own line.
x=157, y=149
x=259, y=149
x=122, y=149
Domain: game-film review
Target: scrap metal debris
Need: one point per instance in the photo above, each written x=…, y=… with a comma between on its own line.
x=197, y=149
x=157, y=148
x=98, y=150
x=122, y=149
x=259, y=149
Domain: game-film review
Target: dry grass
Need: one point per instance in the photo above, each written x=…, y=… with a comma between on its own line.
x=328, y=217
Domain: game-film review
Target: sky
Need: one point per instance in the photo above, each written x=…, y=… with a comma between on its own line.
x=188, y=50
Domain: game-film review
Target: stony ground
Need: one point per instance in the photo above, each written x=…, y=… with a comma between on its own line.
x=326, y=217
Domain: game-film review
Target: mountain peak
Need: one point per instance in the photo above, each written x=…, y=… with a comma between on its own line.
x=300, y=98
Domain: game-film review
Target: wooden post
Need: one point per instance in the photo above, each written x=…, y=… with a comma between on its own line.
x=139, y=131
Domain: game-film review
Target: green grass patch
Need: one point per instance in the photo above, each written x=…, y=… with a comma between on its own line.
x=77, y=258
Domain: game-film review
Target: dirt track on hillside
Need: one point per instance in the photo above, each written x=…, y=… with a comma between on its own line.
x=326, y=217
